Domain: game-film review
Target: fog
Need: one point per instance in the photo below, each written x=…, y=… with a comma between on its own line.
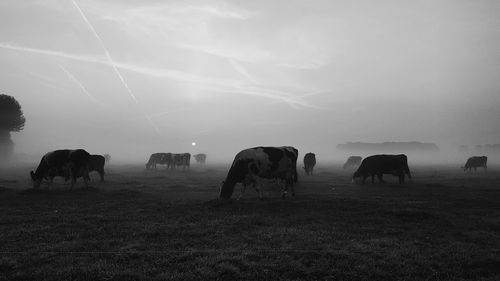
x=130, y=78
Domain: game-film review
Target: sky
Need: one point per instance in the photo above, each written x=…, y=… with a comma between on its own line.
x=130, y=77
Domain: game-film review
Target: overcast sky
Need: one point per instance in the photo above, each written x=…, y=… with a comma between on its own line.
x=135, y=77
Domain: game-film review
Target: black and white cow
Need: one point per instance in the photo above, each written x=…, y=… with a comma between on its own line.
x=181, y=160
x=200, y=158
x=475, y=162
x=159, y=158
x=352, y=161
x=96, y=163
x=309, y=162
x=70, y=164
x=380, y=164
x=256, y=163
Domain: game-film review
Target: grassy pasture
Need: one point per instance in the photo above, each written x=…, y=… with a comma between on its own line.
x=164, y=225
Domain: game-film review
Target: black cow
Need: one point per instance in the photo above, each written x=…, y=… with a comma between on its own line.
x=475, y=162
x=66, y=163
x=159, y=158
x=309, y=163
x=396, y=165
x=352, y=161
x=96, y=163
x=261, y=162
x=200, y=158
x=181, y=160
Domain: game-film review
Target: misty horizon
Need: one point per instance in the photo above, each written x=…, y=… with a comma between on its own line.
x=133, y=78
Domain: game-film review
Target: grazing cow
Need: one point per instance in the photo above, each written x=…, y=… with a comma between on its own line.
x=396, y=165
x=96, y=163
x=181, y=160
x=475, y=162
x=352, y=161
x=159, y=158
x=107, y=157
x=277, y=163
x=66, y=163
x=200, y=158
x=309, y=163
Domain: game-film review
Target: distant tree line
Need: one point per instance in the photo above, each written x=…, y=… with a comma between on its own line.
x=388, y=147
x=481, y=148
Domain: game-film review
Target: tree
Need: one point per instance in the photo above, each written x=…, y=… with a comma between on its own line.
x=11, y=120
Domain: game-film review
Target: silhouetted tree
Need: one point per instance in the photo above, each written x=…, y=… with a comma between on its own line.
x=11, y=120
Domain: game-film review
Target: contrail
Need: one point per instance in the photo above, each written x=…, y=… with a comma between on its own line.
x=154, y=72
x=240, y=69
x=215, y=84
x=76, y=81
x=108, y=56
x=152, y=123
x=84, y=58
x=112, y=63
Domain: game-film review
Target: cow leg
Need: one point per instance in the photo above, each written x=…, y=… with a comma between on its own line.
x=285, y=188
x=86, y=177
x=49, y=182
x=289, y=182
x=364, y=179
x=72, y=177
x=259, y=187
x=380, y=178
x=292, y=189
x=242, y=191
x=86, y=181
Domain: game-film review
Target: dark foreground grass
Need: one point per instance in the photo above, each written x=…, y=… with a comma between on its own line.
x=442, y=233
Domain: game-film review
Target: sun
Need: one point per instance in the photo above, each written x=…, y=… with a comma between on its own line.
x=193, y=143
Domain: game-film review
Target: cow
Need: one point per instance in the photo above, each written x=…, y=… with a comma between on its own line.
x=66, y=163
x=475, y=162
x=159, y=158
x=249, y=165
x=309, y=163
x=352, y=161
x=181, y=160
x=200, y=158
x=380, y=164
x=96, y=163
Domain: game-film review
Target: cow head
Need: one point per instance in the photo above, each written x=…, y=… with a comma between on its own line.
x=356, y=174
x=226, y=189
x=35, y=180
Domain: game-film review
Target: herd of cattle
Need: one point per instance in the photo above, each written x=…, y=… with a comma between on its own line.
x=250, y=166
x=69, y=164
x=174, y=160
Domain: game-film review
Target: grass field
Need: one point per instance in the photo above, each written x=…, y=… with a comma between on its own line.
x=164, y=225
